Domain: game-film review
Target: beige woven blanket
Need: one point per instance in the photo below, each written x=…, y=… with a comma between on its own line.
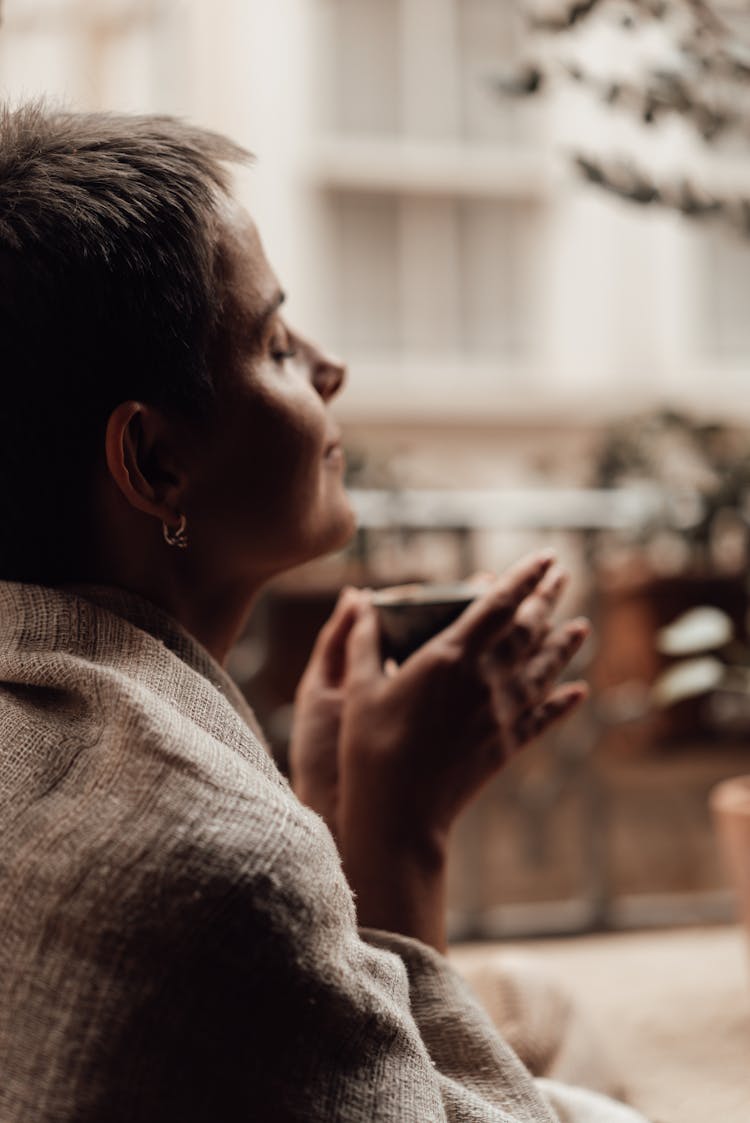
x=177, y=939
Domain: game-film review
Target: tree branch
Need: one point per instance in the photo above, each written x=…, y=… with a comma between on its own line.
x=627, y=181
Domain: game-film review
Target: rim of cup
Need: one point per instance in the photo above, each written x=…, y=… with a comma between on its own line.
x=425, y=594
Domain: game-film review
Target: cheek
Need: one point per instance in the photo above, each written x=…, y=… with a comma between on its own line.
x=286, y=448
x=267, y=464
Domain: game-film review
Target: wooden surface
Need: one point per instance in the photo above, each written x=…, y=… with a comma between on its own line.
x=672, y=1006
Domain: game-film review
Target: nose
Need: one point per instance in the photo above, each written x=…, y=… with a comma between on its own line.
x=327, y=372
x=328, y=377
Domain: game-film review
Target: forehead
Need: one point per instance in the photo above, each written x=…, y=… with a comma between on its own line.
x=248, y=281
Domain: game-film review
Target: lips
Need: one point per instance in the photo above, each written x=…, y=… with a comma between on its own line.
x=333, y=452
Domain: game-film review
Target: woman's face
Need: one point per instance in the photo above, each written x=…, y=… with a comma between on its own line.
x=266, y=487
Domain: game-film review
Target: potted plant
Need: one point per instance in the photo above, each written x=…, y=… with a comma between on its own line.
x=675, y=589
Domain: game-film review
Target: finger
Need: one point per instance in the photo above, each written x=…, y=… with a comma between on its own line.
x=329, y=651
x=557, y=652
x=531, y=682
x=531, y=624
x=363, y=659
x=489, y=615
x=552, y=585
x=533, y=722
x=545, y=598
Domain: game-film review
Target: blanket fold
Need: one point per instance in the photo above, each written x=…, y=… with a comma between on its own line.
x=179, y=941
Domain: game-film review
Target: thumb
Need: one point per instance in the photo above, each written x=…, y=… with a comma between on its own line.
x=363, y=658
x=327, y=661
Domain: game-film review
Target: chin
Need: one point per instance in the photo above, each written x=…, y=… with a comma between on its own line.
x=321, y=532
x=333, y=532
x=341, y=530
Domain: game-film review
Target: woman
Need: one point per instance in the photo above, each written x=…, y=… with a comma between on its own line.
x=180, y=940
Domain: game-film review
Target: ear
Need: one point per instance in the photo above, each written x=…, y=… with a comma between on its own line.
x=139, y=448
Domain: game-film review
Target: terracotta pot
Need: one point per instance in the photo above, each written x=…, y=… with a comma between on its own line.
x=730, y=808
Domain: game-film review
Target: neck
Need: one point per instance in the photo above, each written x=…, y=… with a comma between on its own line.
x=194, y=586
x=213, y=609
x=215, y=615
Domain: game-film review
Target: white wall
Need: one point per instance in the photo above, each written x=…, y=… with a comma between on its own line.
x=571, y=305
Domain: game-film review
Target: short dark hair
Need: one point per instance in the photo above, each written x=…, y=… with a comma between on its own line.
x=108, y=236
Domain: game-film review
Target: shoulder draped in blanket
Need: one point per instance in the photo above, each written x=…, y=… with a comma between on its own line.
x=177, y=939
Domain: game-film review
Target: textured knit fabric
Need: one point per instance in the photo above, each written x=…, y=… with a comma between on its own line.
x=177, y=939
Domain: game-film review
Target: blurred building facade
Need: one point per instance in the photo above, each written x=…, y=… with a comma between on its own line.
x=422, y=226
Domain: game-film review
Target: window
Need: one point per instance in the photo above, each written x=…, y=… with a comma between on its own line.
x=114, y=54
x=431, y=188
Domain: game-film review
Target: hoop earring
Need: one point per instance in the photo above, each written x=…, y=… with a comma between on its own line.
x=177, y=537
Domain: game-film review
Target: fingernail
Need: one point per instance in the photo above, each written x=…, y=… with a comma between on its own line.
x=581, y=625
x=542, y=565
x=578, y=692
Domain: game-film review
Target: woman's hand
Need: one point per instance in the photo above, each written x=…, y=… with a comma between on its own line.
x=416, y=746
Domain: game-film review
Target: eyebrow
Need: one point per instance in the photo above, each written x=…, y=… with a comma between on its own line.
x=270, y=309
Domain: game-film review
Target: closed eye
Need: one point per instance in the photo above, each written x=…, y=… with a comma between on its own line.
x=281, y=345
x=282, y=356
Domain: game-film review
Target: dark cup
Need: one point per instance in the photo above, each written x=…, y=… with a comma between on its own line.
x=409, y=615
